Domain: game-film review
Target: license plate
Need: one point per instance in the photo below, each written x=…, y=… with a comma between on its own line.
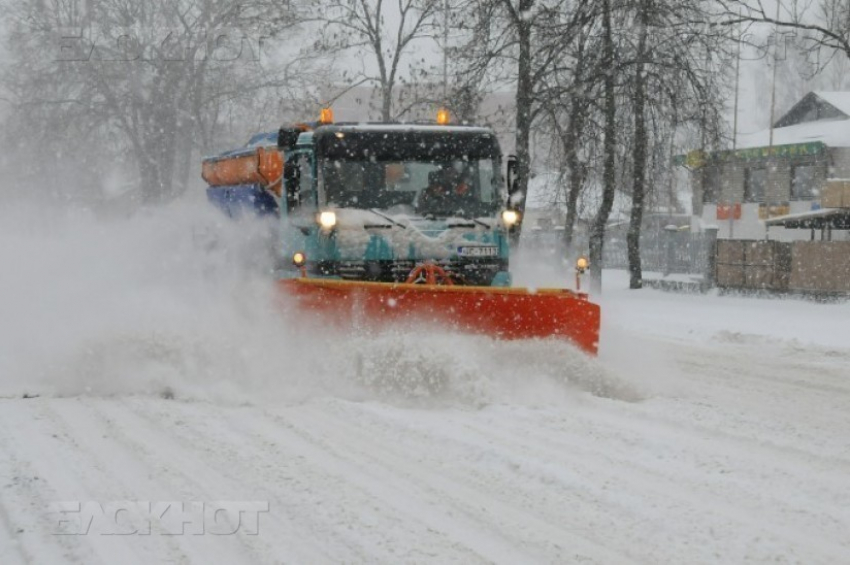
x=477, y=251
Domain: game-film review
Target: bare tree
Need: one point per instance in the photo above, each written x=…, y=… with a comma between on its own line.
x=825, y=24
x=609, y=172
x=143, y=81
x=641, y=140
x=672, y=62
x=571, y=100
x=522, y=42
x=385, y=32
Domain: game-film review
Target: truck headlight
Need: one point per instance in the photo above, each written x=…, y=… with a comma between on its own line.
x=510, y=217
x=327, y=220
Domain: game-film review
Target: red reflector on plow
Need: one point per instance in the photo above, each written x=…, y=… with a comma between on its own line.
x=504, y=313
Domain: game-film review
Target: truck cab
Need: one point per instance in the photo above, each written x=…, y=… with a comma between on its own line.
x=370, y=202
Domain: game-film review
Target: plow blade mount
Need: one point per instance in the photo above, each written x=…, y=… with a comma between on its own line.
x=504, y=313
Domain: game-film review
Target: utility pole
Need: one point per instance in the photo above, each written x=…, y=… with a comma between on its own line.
x=772, y=113
x=735, y=119
x=773, y=81
x=737, y=90
x=446, y=53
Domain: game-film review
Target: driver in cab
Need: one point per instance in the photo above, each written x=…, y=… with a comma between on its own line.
x=447, y=190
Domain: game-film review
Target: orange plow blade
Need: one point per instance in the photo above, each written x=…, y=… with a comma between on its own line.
x=504, y=313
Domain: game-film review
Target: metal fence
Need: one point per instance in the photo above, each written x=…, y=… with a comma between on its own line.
x=660, y=251
x=666, y=252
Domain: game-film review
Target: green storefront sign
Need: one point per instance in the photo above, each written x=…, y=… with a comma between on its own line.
x=696, y=159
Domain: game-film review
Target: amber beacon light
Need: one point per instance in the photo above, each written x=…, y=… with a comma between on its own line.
x=582, y=264
x=442, y=116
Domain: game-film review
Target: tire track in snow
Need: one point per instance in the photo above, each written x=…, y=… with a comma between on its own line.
x=478, y=522
x=308, y=501
x=659, y=492
x=683, y=480
x=341, y=481
x=766, y=378
x=749, y=392
x=137, y=474
x=11, y=552
x=740, y=445
x=489, y=504
x=772, y=365
x=734, y=393
x=197, y=472
x=371, y=482
x=638, y=429
x=45, y=470
x=108, y=472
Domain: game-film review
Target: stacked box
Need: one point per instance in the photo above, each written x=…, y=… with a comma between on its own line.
x=759, y=253
x=730, y=251
x=730, y=276
x=730, y=263
x=836, y=194
x=759, y=277
x=767, y=211
x=753, y=265
x=782, y=265
x=821, y=266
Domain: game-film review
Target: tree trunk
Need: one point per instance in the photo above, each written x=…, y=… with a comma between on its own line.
x=577, y=173
x=386, y=102
x=572, y=142
x=154, y=186
x=609, y=173
x=523, y=113
x=156, y=165
x=638, y=156
x=185, y=161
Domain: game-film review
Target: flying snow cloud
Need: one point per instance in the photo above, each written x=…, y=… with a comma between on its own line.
x=180, y=302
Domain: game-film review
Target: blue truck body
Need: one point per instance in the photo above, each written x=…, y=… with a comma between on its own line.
x=371, y=181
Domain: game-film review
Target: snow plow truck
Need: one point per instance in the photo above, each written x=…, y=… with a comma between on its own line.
x=389, y=222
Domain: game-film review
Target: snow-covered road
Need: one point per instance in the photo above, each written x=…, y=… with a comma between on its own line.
x=744, y=455
x=710, y=430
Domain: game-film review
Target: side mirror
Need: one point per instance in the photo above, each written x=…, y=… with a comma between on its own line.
x=287, y=137
x=511, y=204
x=511, y=176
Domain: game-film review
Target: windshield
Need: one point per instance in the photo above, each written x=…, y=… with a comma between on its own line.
x=428, y=172
x=428, y=188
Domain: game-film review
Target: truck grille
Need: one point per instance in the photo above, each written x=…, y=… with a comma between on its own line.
x=463, y=271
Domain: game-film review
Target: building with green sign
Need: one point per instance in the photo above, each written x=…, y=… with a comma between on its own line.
x=773, y=173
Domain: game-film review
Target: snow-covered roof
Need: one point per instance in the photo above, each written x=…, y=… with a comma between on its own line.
x=840, y=100
x=833, y=133
x=821, y=116
x=812, y=218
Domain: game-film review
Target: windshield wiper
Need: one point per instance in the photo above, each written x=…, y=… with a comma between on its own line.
x=402, y=226
x=469, y=223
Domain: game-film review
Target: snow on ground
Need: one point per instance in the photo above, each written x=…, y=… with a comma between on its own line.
x=710, y=429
